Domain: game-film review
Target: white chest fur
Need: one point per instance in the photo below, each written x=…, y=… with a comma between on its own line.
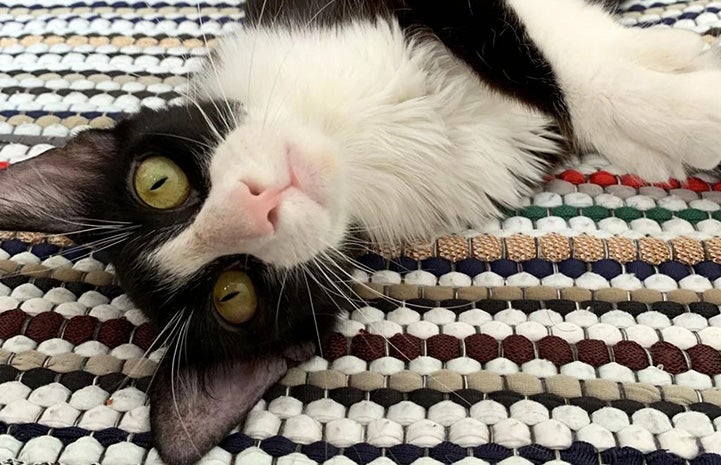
x=419, y=146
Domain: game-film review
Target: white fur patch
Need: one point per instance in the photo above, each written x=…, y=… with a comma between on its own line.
x=417, y=145
x=646, y=99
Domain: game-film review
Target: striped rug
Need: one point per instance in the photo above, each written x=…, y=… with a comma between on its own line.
x=584, y=328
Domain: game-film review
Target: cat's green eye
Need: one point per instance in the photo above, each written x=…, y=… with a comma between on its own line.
x=160, y=183
x=234, y=297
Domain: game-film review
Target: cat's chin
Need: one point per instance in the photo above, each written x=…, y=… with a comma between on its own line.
x=305, y=230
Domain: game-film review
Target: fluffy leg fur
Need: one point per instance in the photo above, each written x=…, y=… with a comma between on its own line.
x=645, y=98
x=642, y=97
x=491, y=39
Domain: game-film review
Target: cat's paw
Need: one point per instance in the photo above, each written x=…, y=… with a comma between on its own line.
x=652, y=104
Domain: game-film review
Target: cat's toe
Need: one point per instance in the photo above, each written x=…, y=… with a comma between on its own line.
x=665, y=49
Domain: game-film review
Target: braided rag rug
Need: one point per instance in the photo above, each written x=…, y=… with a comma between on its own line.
x=583, y=329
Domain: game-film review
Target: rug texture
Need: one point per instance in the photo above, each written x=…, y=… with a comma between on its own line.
x=584, y=328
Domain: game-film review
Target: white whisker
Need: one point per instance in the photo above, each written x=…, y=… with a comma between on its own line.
x=324, y=268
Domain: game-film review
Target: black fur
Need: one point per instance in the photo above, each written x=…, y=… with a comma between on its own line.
x=491, y=39
x=486, y=34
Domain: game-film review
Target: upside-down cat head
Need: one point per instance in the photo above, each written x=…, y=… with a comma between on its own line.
x=232, y=317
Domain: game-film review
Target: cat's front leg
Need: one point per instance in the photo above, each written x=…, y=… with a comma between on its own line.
x=648, y=99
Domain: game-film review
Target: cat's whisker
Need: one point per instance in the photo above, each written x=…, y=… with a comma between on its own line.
x=207, y=119
x=315, y=319
x=106, y=243
x=86, y=222
x=388, y=341
x=329, y=292
x=173, y=367
x=173, y=345
x=319, y=12
x=380, y=295
x=101, y=242
x=100, y=230
x=182, y=352
x=324, y=289
x=252, y=51
x=229, y=107
x=75, y=221
x=230, y=112
x=102, y=221
x=187, y=139
x=103, y=245
x=153, y=346
x=350, y=260
x=252, y=60
x=271, y=94
x=184, y=342
x=155, y=343
x=280, y=299
x=97, y=230
x=175, y=322
x=322, y=267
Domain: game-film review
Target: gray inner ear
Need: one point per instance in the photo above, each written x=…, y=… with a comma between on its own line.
x=188, y=420
x=42, y=194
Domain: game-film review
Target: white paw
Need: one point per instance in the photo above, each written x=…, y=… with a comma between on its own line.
x=650, y=102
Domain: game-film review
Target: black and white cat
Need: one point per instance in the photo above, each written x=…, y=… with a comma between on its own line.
x=321, y=120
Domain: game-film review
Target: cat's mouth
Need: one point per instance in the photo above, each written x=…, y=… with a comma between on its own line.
x=304, y=177
x=266, y=205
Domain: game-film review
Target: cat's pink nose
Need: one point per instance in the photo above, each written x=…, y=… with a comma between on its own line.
x=258, y=209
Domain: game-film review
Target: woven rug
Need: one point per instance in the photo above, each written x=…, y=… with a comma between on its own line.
x=584, y=328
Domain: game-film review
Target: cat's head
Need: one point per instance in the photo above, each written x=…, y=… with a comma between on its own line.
x=226, y=235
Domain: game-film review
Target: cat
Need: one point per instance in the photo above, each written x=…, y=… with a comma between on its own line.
x=232, y=220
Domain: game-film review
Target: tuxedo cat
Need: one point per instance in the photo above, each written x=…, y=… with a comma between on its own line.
x=231, y=220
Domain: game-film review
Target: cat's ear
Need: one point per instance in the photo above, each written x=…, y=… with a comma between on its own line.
x=46, y=192
x=188, y=419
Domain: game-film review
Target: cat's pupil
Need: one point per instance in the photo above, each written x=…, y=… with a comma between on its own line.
x=158, y=184
x=228, y=297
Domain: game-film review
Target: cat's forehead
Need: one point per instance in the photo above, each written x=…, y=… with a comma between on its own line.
x=199, y=123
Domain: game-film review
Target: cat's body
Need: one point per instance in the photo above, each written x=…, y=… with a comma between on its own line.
x=324, y=120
